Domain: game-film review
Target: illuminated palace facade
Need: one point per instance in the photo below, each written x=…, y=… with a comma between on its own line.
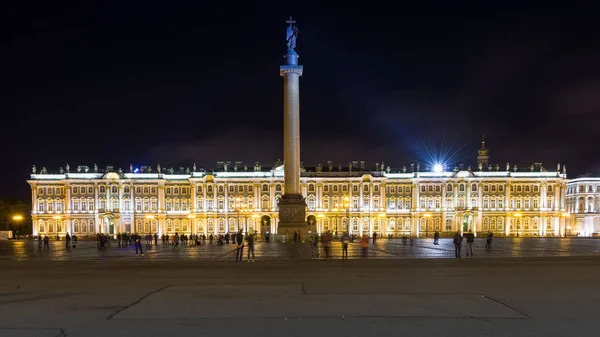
x=413, y=201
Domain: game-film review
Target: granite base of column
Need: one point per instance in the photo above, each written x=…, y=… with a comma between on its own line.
x=292, y=216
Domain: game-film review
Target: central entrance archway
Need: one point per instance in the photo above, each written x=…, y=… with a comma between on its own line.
x=265, y=224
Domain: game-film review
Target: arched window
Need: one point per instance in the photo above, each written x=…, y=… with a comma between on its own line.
x=493, y=223
x=114, y=204
x=407, y=203
x=102, y=203
x=153, y=204
x=220, y=203
x=355, y=224
x=82, y=205
x=184, y=204
x=431, y=203
x=199, y=204
x=493, y=201
x=423, y=224
x=40, y=206
x=232, y=225
x=407, y=224
x=326, y=202
x=500, y=222
x=210, y=224
x=146, y=226
x=365, y=227
x=438, y=224
x=449, y=202
x=448, y=225
x=549, y=223
x=176, y=205
x=376, y=204
x=264, y=204
x=221, y=225
x=185, y=225
x=41, y=226
x=76, y=227
x=51, y=226
x=422, y=202
x=177, y=225
x=486, y=224
x=392, y=203
x=311, y=202
x=486, y=202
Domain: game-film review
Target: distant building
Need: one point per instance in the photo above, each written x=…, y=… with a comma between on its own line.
x=412, y=201
x=583, y=206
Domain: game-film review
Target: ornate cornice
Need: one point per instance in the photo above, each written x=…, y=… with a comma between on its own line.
x=284, y=70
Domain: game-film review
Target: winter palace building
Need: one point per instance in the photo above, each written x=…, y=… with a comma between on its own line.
x=416, y=201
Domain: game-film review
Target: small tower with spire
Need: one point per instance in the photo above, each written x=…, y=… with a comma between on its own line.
x=482, y=154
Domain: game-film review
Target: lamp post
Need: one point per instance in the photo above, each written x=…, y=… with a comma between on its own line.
x=518, y=216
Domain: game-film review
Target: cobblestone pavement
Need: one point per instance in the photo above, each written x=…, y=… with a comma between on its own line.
x=382, y=249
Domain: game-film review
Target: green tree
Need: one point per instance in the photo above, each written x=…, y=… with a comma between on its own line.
x=15, y=215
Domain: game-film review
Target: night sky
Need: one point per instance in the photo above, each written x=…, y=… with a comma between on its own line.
x=173, y=83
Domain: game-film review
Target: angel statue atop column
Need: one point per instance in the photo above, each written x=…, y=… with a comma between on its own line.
x=292, y=35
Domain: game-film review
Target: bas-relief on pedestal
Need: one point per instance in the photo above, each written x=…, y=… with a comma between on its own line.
x=292, y=206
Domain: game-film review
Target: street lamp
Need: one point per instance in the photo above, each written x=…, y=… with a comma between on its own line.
x=518, y=216
x=18, y=218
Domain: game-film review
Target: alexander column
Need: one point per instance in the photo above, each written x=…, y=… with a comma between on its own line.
x=292, y=207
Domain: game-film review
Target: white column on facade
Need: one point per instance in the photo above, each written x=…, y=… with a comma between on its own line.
x=443, y=205
x=96, y=208
x=194, y=205
x=371, y=187
x=132, y=207
x=542, y=225
x=508, y=224
x=68, y=197
x=543, y=194
x=121, y=226
x=272, y=197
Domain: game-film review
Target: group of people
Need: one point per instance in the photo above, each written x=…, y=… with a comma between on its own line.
x=470, y=237
x=238, y=240
x=326, y=241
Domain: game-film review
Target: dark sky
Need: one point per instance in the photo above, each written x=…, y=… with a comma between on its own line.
x=177, y=82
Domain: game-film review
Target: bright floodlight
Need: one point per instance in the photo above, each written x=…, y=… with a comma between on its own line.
x=438, y=168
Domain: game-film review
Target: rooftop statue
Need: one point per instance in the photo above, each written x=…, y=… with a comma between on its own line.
x=33, y=169
x=291, y=35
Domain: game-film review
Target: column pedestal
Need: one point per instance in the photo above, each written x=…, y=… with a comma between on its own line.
x=292, y=215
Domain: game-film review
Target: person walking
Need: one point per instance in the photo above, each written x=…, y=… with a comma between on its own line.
x=470, y=239
x=40, y=242
x=364, y=244
x=436, y=238
x=374, y=237
x=138, y=244
x=457, y=244
x=68, y=241
x=488, y=240
x=250, y=240
x=345, y=241
x=239, y=241
x=46, y=241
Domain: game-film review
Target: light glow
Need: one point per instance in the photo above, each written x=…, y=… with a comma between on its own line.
x=438, y=168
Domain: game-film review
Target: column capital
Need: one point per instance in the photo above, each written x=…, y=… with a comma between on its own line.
x=284, y=70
